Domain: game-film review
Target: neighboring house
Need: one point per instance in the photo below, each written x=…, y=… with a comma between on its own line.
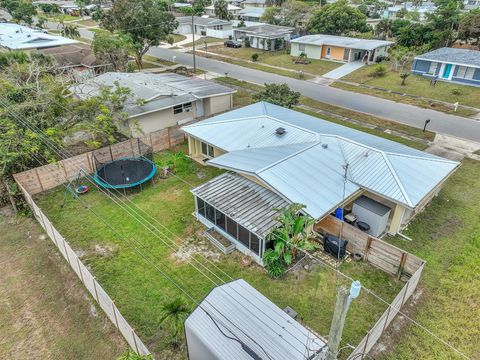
x=251, y=14
x=232, y=10
x=254, y=3
x=18, y=37
x=235, y=313
x=278, y=156
x=205, y=26
x=339, y=48
x=423, y=10
x=77, y=56
x=159, y=101
x=471, y=5
x=450, y=64
x=265, y=36
x=178, y=6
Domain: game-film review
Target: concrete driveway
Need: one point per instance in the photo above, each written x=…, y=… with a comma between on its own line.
x=402, y=113
x=344, y=70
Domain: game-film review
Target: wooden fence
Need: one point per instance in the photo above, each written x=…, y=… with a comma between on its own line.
x=49, y=176
x=386, y=257
x=92, y=285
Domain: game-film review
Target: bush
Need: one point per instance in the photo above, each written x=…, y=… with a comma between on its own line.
x=254, y=57
x=246, y=41
x=170, y=40
x=457, y=92
x=378, y=71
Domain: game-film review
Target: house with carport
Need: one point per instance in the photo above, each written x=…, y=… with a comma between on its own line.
x=461, y=66
x=275, y=157
x=205, y=26
x=264, y=36
x=158, y=101
x=339, y=48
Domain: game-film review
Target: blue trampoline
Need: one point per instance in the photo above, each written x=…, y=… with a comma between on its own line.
x=125, y=173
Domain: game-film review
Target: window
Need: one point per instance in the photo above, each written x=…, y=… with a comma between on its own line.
x=177, y=109
x=218, y=27
x=254, y=243
x=210, y=212
x=301, y=47
x=220, y=219
x=232, y=227
x=244, y=236
x=207, y=150
x=465, y=72
x=433, y=68
x=201, y=206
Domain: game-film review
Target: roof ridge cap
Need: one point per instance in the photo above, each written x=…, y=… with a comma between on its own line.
x=438, y=158
x=397, y=179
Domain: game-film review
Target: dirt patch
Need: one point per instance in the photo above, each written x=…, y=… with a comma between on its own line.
x=104, y=251
x=197, y=244
x=449, y=226
x=6, y=211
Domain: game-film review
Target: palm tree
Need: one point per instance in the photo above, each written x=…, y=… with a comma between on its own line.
x=174, y=314
x=404, y=77
x=70, y=31
x=384, y=28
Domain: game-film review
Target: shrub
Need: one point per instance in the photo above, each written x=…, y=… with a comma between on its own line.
x=457, y=92
x=170, y=40
x=246, y=41
x=378, y=71
x=254, y=57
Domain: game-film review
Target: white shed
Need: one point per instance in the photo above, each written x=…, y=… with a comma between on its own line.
x=235, y=321
x=373, y=213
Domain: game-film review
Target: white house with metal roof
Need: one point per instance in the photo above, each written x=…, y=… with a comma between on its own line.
x=205, y=26
x=339, y=48
x=19, y=37
x=280, y=156
x=235, y=321
x=264, y=36
x=158, y=101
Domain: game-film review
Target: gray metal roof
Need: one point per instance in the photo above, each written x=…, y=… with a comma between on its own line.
x=453, y=55
x=249, y=313
x=308, y=167
x=205, y=21
x=252, y=11
x=158, y=91
x=266, y=30
x=243, y=200
x=342, y=41
x=18, y=37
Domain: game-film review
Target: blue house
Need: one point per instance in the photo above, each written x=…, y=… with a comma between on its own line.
x=449, y=64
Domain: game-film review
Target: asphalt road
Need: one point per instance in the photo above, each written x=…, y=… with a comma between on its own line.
x=406, y=114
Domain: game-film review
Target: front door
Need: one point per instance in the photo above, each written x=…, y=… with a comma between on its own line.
x=446, y=71
x=200, y=110
x=328, y=54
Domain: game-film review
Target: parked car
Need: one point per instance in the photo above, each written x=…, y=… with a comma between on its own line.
x=233, y=44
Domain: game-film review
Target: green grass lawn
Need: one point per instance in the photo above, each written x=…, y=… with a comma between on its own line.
x=140, y=291
x=202, y=40
x=177, y=37
x=447, y=236
x=277, y=58
x=415, y=85
x=87, y=23
x=46, y=313
x=98, y=30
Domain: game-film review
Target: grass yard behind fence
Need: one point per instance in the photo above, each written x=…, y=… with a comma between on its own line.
x=140, y=291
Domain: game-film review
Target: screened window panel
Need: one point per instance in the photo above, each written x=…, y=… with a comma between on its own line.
x=201, y=206
x=232, y=227
x=220, y=220
x=301, y=47
x=204, y=149
x=244, y=236
x=210, y=150
x=210, y=212
x=433, y=68
x=254, y=243
x=177, y=109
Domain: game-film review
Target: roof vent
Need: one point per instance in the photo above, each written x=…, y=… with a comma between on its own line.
x=325, y=146
x=280, y=131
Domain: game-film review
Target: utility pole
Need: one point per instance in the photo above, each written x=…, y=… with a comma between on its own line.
x=344, y=298
x=193, y=38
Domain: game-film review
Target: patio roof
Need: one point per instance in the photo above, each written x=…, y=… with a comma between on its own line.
x=342, y=41
x=248, y=203
x=266, y=30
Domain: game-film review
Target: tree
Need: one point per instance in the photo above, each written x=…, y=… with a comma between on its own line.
x=81, y=5
x=404, y=77
x=21, y=11
x=112, y=49
x=401, y=14
x=414, y=35
x=337, y=19
x=295, y=13
x=271, y=15
x=255, y=57
x=221, y=10
x=384, y=28
x=174, y=314
x=70, y=31
x=291, y=236
x=279, y=94
x=142, y=21
x=469, y=27
x=399, y=57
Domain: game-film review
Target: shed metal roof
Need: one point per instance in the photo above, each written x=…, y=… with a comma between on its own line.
x=243, y=200
x=248, y=312
x=309, y=164
x=19, y=37
x=465, y=57
x=342, y=41
x=159, y=91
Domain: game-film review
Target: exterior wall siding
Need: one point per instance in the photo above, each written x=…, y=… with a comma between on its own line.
x=335, y=54
x=219, y=104
x=420, y=66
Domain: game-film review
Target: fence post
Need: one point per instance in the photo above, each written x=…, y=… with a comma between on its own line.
x=95, y=288
x=404, y=294
x=43, y=221
x=66, y=252
x=402, y=265
x=386, y=319
x=115, y=313
x=80, y=270
x=366, y=343
x=135, y=341
x=367, y=247
x=39, y=181
x=53, y=234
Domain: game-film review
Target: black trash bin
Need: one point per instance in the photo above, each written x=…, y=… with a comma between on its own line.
x=333, y=245
x=362, y=225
